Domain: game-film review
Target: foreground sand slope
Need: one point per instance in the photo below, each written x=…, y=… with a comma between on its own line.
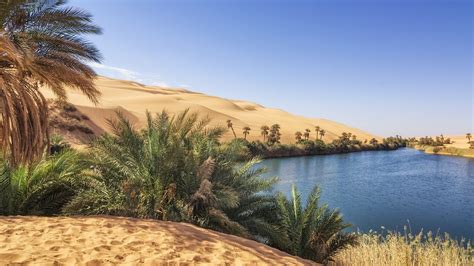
x=115, y=240
x=133, y=99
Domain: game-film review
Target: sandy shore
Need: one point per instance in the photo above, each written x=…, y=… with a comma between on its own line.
x=134, y=99
x=114, y=240
x=458, y=147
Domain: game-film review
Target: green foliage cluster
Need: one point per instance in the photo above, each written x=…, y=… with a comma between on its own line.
x=174, y=169
x=437, y=141
x=347, y=142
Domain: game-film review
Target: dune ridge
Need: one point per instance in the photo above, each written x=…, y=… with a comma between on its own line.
x=118, y=240
x=134, y=99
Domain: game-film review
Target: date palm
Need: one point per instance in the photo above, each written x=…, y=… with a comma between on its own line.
x=306, y=133
x=174, y=169
x=41, y=44
x=315, y=232
x=322, y=132
x=264, y=132
x=298, y=136
x=317, y=129
x=231, y=126
x=43, y=187
x=468, y=137
x=246, y=131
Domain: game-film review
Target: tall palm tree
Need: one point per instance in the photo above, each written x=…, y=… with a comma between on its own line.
x=246, y=132
x=317, y=129
x=322, y=132
x=264, y=132
x=298, y=136
x=315, y=232
x=306, y=133
x=468, y=137
x=231, y=126
x=41, y=43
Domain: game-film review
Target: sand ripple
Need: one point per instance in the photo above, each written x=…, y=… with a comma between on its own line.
x=116, y=240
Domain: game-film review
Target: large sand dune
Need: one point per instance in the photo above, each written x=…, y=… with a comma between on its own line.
x=114, y=240
x=134, y=99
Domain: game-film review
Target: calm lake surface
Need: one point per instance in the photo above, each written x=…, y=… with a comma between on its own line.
x=388, y=188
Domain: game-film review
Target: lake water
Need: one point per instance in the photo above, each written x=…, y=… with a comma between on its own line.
x=388, y=188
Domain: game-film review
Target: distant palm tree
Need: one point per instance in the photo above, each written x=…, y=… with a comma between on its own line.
x=315, y=232
x=264, y=132
x=317, y=129
x=373, y=141
x=322, y=132
x=468, y=137
x=298, y=136
x=246, y=132
x=40, y=44
x=275, y=134
x=306, y=133
x=231, y=126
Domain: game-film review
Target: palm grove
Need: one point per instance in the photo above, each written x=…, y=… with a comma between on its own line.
x=308, y=144
x=174, y=169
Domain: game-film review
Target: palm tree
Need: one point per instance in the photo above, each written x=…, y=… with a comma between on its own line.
x=43, y=187
x=246, y=132
x=175, y=170
x=322, y=132
x=264, y=132
x=306, y=133
x=468, y=137
x=374, y=141
x=314, y=231
x=275, y=134
x=317, y=129
x=298, y=136
x=40, y=44
x=231, y=126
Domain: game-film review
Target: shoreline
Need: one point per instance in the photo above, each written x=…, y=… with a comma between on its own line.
x=289, y=151
x=445, y=151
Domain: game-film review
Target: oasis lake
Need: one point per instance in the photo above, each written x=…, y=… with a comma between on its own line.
x=393, y=189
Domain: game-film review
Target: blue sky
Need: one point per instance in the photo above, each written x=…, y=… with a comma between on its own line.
x=388, y=67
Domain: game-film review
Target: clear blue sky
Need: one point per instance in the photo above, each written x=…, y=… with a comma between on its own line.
x=388, y=66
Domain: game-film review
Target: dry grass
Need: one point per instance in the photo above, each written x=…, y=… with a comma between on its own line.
x=406, y=249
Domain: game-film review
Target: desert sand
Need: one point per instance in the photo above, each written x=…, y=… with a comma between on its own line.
x=115, y=240
x=134, y=99
x=458, y=142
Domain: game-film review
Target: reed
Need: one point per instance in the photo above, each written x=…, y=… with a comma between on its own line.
x=394, y=248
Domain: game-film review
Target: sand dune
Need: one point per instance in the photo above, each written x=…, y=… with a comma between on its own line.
x=114, y=240
x=134, y=99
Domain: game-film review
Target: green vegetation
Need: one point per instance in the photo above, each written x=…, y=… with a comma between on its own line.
x=305, y=146
x=174, y=169
x=314, y=232
x=437, y=145
x=41, y=43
